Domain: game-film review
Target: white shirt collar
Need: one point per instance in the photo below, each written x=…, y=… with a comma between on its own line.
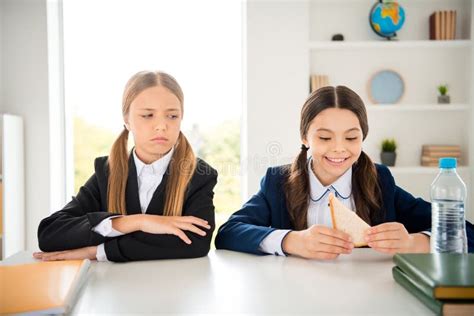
x=342, y=186
x=157, y=167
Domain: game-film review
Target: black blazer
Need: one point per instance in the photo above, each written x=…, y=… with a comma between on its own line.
x=71, y=227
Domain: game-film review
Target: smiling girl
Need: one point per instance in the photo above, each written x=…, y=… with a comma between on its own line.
x=153, y=202
x=290, y=213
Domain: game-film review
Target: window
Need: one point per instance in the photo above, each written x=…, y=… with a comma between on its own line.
x=198, y=42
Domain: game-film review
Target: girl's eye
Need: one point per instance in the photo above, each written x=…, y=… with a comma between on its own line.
x=173, y=117
x=325, y=139
x=147, y=115
x=351, y=138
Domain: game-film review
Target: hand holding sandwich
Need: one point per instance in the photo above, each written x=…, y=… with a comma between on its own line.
x=317, y=242
x=393, y=238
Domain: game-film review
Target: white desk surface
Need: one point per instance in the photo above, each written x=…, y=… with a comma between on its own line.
x=237, y=283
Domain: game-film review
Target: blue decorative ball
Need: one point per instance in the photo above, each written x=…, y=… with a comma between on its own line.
x=386, y=18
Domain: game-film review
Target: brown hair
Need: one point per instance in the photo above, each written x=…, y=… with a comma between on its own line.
x=182, y=164
x=365, y=187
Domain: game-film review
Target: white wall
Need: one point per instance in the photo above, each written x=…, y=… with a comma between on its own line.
x=1, y=55
x=13, y=185
x=24, y=77
x=277, y=85
x=470, y=199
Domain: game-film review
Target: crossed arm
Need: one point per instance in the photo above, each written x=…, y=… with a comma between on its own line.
x=68, y=234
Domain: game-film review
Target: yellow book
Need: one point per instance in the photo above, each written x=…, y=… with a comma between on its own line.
x=47, y=287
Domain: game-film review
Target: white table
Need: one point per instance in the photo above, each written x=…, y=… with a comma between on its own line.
x=231, y=282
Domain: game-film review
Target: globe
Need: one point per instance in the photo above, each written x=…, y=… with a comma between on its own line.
x=386, y=18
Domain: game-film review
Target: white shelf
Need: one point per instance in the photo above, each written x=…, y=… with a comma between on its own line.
x=348, y=45
x=422, y=170
x=418, y=107
x=422, y=63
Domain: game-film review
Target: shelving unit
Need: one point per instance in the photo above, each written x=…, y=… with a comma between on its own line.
x=325, y=45
x=423, y=64
x=287, y=41
x=419, y=107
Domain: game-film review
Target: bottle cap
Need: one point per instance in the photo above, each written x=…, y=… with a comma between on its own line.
x=447, y=163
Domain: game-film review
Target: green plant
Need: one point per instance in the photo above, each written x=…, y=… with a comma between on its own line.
x=443, y=89
x=389, y=145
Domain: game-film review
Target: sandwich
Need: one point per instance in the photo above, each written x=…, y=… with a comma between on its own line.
x=347, y=221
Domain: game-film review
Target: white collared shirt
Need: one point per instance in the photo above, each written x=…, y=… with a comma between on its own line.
x=149, y=178
x=318, y=208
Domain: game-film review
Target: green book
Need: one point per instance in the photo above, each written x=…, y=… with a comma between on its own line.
x=440, y=307
x=441, y=275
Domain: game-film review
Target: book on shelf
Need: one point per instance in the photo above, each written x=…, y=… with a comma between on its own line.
x=453, y=24
x=429, y=164
x=49, y=287
x=432, y=25
x=434, y=157
x=431, y=154
x=441, y=147
x=442, y=25
x=318, y=81
x=421, y=292
x=447, y=28
x=442, y=276
x=441, y=154
x=438, y=26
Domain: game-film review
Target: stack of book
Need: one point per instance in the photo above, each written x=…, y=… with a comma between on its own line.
x=430, y=154
x=443, y=25
x=443, y=282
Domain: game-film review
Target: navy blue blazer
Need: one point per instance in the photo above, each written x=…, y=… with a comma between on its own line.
x=266, y=211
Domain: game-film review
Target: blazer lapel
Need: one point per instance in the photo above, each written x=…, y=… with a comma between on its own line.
x=131, y=192
x=157, y=202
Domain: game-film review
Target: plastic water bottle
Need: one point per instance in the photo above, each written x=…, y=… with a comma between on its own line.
x=448, y=194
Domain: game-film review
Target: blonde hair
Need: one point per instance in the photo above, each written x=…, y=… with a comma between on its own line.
x=182, y=164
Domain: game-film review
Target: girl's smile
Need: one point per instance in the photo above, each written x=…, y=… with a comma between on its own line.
x=336, y=162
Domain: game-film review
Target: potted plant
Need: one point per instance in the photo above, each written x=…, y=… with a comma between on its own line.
x=443, y=97
x=388, y=154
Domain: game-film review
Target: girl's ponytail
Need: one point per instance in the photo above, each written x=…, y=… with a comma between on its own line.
x=118, y=175
x=182, y=166
x=297, y=190
x=366, y=190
